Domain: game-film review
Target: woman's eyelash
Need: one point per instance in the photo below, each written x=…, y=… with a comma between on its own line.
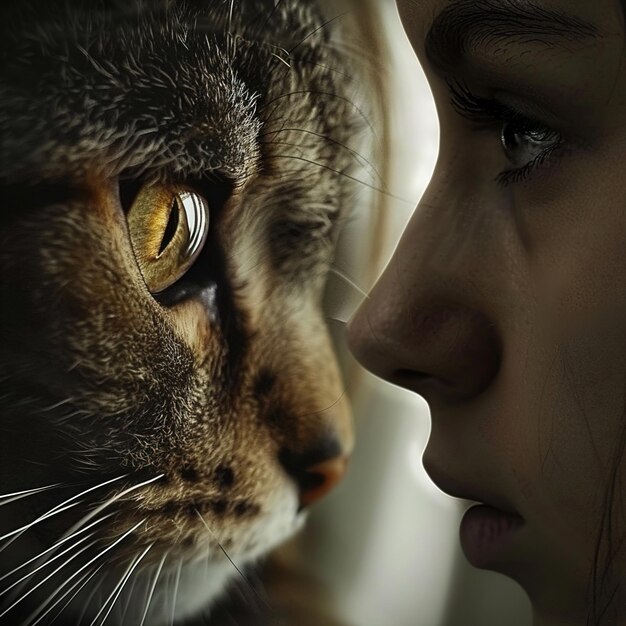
x=489, y=112
x=511, y=176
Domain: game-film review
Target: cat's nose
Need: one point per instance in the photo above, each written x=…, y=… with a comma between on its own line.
x=315, y=471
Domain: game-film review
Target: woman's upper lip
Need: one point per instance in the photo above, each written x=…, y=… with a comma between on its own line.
x=457, y=489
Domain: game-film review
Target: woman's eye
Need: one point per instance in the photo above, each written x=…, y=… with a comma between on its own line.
x=527, y=144
x=168, y=227
x=522, y=146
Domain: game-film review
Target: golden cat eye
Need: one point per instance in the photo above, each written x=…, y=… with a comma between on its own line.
x=168, y=226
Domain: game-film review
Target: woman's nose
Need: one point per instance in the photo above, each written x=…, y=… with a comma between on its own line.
x=416, y=330
x=442, y=350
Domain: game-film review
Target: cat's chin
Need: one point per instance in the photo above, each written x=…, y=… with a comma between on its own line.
x=167, y=592
x=183, y=590
x=171, y=586
x=181, y=593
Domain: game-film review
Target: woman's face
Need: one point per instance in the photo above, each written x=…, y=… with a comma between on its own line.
x=505, y=302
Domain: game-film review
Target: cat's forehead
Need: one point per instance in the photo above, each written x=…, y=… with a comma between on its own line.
x=175, y=83
x=127, y=27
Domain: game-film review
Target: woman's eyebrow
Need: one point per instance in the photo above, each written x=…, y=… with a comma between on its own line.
x=466, y=25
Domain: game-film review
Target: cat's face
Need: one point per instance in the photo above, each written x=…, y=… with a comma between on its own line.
x=172, y=194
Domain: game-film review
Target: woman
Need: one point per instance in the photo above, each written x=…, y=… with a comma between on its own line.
x=505, y=303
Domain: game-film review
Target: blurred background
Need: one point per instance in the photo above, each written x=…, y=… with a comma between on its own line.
x=386, y=541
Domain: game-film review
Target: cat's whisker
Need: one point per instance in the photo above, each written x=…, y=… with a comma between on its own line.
x=348, y=280
x=115, y=594
x=230, y=15
x=54, y=547
x=108, y=503
x=7, y=498
x=81, y=583
x=56, y=405
x=152, y=588
x=18, y=532
x=107, y=549
x=281, y=59
x=59, y=508
x=174, y=595
x=336, y=319
x=43, y=580
x=129, y=598
x=94, y=590
x=241, y=574
x=327, y=408
x=45, y=564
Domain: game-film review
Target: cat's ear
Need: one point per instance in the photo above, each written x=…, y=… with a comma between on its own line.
x=168, y=226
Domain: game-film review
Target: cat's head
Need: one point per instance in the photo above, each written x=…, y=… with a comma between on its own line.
x=174, y=178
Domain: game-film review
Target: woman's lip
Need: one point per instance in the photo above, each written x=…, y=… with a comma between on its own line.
x=486, y=532
x=457, y=489
x=488, y=527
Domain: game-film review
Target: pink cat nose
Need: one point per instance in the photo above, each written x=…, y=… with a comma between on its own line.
x=321, y=478
x=315, y=472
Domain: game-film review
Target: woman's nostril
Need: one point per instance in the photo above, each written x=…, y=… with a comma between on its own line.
x=440, y=350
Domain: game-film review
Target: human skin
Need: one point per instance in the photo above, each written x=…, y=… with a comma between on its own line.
x=504, y=305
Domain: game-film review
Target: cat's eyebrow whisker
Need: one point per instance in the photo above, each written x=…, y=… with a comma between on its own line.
x=108, y=548
x=360, y=159
x=317, y=30
x=270, y=15
x=328, y=94
x=153, y=587
x=344, y=174
x=117, y=590
x=328, y=68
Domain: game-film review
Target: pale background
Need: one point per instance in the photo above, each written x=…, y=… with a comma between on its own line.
x=386, y=541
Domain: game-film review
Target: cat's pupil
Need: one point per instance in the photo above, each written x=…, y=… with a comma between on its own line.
x=172, y=226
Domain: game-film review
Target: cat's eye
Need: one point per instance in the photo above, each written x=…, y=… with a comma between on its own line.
x=168, y=227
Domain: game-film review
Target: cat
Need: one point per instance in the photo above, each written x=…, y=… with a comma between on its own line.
x=175, y=176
